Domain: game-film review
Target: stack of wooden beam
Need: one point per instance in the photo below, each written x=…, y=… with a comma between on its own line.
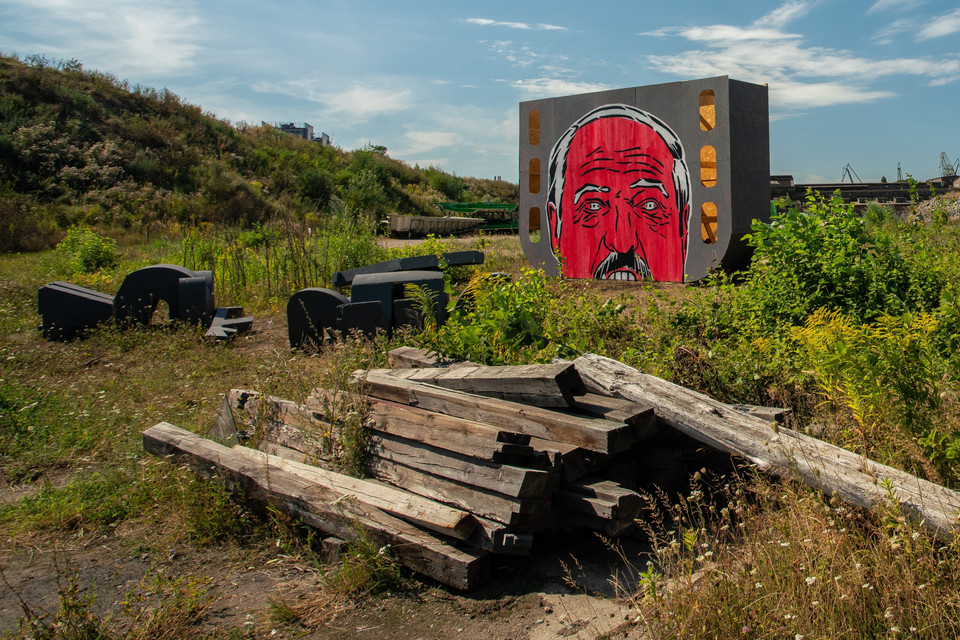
x=472, y=460
x=468, y=461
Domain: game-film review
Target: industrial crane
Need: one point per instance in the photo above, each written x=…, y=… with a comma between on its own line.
x=848, y=172
x=948, y=168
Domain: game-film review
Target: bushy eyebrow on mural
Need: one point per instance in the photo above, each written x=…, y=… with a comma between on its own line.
x=631, y=174
x=618, y=197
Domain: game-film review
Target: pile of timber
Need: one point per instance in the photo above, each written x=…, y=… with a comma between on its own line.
x=462, y=462
x=466, y=461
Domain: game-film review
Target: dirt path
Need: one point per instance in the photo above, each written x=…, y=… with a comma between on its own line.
x=535, y=598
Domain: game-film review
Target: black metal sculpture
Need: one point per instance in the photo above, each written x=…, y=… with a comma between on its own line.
x=68, y=310
x=416, y=263
x=378, y=302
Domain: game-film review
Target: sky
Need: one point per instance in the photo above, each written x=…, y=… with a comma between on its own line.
x=870, y=84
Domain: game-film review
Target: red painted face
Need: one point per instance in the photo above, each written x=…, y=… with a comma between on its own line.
x=619, y=212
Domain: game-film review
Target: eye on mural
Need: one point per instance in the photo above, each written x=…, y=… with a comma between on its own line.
x=649, y=183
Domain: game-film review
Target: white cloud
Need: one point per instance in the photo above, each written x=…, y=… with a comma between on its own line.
x=348, y=107
x=551, y=87
x=898, y=5
x=942, y=26
x=364, y=101
x=922, y=28
x=419, y=142
x=520, y=56
x=899, y=27
x=725, y=33
x=787, y=115
x=799, y=76
x=445, y=131
x=523, y=56
x=486, y=22
x=822, y=94
x=779, y=17
x=138, y=38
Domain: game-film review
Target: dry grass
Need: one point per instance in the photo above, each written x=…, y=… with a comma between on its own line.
x=747, y=557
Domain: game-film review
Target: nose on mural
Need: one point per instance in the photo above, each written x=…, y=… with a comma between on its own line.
x=623, y=236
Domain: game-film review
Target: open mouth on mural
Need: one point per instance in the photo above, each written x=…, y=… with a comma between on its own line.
x=622, y=266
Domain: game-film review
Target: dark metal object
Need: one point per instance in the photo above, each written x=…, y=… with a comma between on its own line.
x=378, y=303
x=143, y=290
x=417, y=263
x=387, y=287
x=311, y=313
x=68, y=310
x=228, y=322
x=359, y=317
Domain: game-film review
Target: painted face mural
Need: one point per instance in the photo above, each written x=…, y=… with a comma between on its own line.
x=618, y=197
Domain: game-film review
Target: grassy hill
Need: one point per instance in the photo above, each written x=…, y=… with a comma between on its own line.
x=83, y=147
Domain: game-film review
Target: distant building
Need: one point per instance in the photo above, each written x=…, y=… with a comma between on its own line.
x=943, y=182
x=301, y=130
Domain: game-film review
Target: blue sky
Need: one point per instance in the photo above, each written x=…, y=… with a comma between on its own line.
x=868, y=83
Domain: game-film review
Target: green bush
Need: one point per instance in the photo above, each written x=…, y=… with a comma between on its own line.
x=828, y=257
x=533, y=318
x=87, y=252
x=886, y=374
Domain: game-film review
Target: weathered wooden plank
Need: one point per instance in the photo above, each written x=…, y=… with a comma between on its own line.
x=224, y=429
x=639, y=416
x=584, y=519
x=330, y=511
x=465, y=451
x=599, y=504
x=282, y=423
x=461, y=435
x=770, y=414
x=588, y=433
x=421, y=511
x=499, y=538
x=310, y=445
x=539, y=385
x=573, y=462
x=778, y=450
x=284, y=452
x=516, y=482
x=412, y=358
x=259, y=408
x=522, y=513
x=609, y=490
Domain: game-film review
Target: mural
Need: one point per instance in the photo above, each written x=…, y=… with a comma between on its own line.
x=619, y=197
x=648, y=183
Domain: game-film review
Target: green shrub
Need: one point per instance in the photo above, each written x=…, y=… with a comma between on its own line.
x=827, y=257
x=316, y=186
x=533, y=318
x=87, y=252
x=888, y=375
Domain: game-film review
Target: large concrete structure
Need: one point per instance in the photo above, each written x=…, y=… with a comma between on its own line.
x=658, y=182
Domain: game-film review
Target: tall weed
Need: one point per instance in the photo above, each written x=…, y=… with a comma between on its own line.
x=85, y=251
x=267, y=264
x=533, y=318
x=746, y=557
x=888, y=376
